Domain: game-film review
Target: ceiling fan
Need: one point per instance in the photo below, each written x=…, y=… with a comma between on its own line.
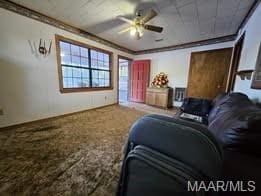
x=139, y=24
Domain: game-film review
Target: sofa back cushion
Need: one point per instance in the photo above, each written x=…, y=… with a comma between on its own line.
x=236, y=121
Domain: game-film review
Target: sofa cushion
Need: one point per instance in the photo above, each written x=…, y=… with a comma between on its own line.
x=230, y=97
x=227, y=102
x=236, y=121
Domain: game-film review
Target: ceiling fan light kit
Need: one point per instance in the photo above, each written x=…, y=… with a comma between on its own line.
x=138, y=24
x=133, y=31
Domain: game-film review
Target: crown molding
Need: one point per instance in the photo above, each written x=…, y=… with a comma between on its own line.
x=19, y=9
x=188, y=45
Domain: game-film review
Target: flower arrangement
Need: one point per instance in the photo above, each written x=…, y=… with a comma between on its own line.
x=160, y=80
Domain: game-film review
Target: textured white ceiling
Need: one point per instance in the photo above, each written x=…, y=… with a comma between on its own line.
x=183, y=20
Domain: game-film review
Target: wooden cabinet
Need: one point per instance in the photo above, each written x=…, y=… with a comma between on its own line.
x=161, y=97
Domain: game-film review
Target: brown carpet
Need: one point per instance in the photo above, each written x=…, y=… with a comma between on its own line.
x=151, y=109
x=74, y=155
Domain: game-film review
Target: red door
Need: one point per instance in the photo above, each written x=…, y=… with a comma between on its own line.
x=140, y=71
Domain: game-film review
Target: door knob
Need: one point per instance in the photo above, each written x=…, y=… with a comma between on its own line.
x=219, y=86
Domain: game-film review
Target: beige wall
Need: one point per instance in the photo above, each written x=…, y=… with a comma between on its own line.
x=249, y=54
x=29, y=88
x=176, y=63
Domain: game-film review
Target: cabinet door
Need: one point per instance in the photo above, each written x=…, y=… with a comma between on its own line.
x=150, y=98
x=161, y=99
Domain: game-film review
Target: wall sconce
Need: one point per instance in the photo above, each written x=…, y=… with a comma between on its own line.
x=245, y=74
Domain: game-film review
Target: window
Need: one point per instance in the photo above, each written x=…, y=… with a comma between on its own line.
x=82, y=67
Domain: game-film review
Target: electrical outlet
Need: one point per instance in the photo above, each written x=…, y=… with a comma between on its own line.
x=1, y=111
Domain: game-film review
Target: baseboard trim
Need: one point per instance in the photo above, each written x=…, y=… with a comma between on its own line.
x=15, y=126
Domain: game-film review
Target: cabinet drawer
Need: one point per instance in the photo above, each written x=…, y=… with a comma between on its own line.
x=157, y=90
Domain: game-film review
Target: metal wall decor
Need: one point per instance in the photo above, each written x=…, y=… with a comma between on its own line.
x=42, y=49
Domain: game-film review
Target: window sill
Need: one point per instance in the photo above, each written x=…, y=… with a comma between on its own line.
x=78, y=90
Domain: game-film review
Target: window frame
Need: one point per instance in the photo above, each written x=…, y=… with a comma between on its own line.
x=58, y=39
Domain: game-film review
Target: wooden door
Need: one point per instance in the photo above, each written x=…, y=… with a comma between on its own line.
x=140, y=71
x=208, y=74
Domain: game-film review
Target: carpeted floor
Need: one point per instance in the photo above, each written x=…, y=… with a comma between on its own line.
x=150, y=109
x=73, y=155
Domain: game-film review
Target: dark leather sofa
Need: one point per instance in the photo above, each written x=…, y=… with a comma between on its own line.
x=236, y=122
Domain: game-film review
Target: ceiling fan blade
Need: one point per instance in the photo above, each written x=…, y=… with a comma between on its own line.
x=153, y=28
x=126, y=20
x=124, y=30
x=151, y=14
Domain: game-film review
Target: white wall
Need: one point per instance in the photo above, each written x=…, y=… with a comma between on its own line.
x=176, y=63
x=249, y=53
x=29, y=88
